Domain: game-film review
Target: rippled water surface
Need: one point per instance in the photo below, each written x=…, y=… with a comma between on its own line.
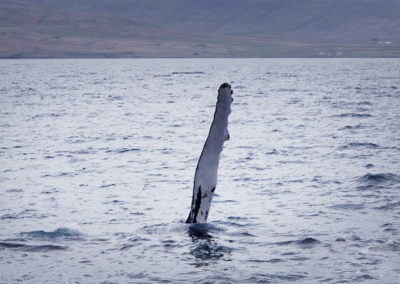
x=97, y=159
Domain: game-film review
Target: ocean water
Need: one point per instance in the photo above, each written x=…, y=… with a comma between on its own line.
x=97, y=159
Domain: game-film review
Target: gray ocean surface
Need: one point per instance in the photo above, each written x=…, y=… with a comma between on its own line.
x=97, y=159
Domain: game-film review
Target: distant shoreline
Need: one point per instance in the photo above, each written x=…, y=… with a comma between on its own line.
x=171, y=57
x=199, y=29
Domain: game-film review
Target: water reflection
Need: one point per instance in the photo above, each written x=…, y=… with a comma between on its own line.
x=205, y=247
x=199, y=231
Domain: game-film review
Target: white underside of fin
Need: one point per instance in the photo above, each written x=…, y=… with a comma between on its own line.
x=205, y=180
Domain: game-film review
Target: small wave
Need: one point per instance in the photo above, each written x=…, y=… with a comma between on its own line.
x=394, y=246
x=363, y=277
x=11, y=245
x=352, y=127
x=391, y=230
x=169, y=243
x=308, y=241
x=137, y=275
x=108, y=185
x=60, y=174
x=362, y=109
x=389, y=206
x=348, y=206
x=240, y=234
x=380, y=178
x=114, y=98
x=9, y=216
x=188, y=73
x=237, y=218
x=15, y=190
x=138, y=239
x=115, y=201
x=161, y=75
x=127, y=246
x=367, y=145
x=305, y=243
x=227, y=200
x=47, y=115
x=359, y=145
x=69, y=76
x=275, y=278
x=28, y=213
x=273, y=152
x=273, y=260
x=136, y=213
x=356, y=115
x=123, y=150
x=43, y=248
x=133, y=242
x=363, y=103
x=32, y=248
x=239, y=87
x=284, y=243
x=58, y=233
x=295, y=162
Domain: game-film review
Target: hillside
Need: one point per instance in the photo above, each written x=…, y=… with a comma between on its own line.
x=199, y=28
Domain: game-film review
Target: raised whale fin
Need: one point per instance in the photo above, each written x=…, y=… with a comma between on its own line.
x=205, y=178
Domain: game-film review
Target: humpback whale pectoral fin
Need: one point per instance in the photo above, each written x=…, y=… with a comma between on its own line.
x=205, y=178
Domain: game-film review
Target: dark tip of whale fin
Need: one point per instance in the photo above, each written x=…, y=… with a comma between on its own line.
x=225, y=85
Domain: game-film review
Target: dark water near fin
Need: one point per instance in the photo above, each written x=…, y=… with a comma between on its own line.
x=97, y=160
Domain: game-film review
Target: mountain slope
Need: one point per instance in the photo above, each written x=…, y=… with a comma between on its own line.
x=205, y=28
